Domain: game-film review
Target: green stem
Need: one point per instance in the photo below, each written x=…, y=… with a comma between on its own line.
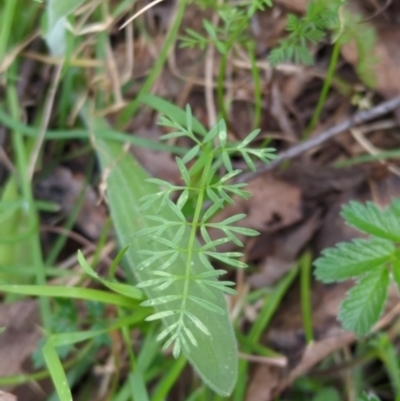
x=192, y=237
x=305, y=276
x=325, y=89
x=5, y=28
x=220, y=87
x=132, y=107
x=255, y=72
x=22, y=166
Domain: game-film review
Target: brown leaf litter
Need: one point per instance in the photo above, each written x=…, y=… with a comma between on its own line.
x=285, y=333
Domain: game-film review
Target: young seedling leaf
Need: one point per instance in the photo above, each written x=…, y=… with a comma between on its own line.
x=373, y=220
x=351, y=259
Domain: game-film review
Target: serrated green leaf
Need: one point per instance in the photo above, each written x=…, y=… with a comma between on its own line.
x=364, y=302
x=373, y=220
x=351, y=259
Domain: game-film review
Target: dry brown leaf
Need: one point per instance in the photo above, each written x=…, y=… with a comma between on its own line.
x=264, y=383
x=64, y=188
x=284, y=250
x=21, y=335
x=274, y=204
x=157, y=164
x=298, y=6
x=315, y=353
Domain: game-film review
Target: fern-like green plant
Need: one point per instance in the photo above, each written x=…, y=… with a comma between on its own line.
x=235, y=21
x=195, y=282
x=322, y=16
x=371, y=262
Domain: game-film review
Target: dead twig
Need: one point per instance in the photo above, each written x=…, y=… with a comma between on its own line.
x=297, y=150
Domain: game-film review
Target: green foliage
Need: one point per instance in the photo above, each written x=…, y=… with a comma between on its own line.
x=215, y=358
x=235, y=20
x=322, y=16
x=208, y=155
x=65, y=319
x=368, y=397
x=370, y=261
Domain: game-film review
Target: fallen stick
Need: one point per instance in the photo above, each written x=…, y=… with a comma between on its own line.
x=297, y=150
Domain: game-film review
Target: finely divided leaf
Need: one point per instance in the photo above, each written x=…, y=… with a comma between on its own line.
x=365, y=301
x=373, y=220
x=351, y=259
x=215, y=356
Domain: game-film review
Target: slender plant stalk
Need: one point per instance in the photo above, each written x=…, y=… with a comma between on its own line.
x=325, y=89
x=169, y=380
x=221, y=87
x=255, y=72
x=305, y=277
x=192, y=238
x=21, y=158
x=5, y=28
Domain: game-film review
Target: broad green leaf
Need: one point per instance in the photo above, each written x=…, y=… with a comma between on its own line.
x=57, y=12
x=215, y=357
x=373, y=220
x=364, y=302
x=351, y=259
